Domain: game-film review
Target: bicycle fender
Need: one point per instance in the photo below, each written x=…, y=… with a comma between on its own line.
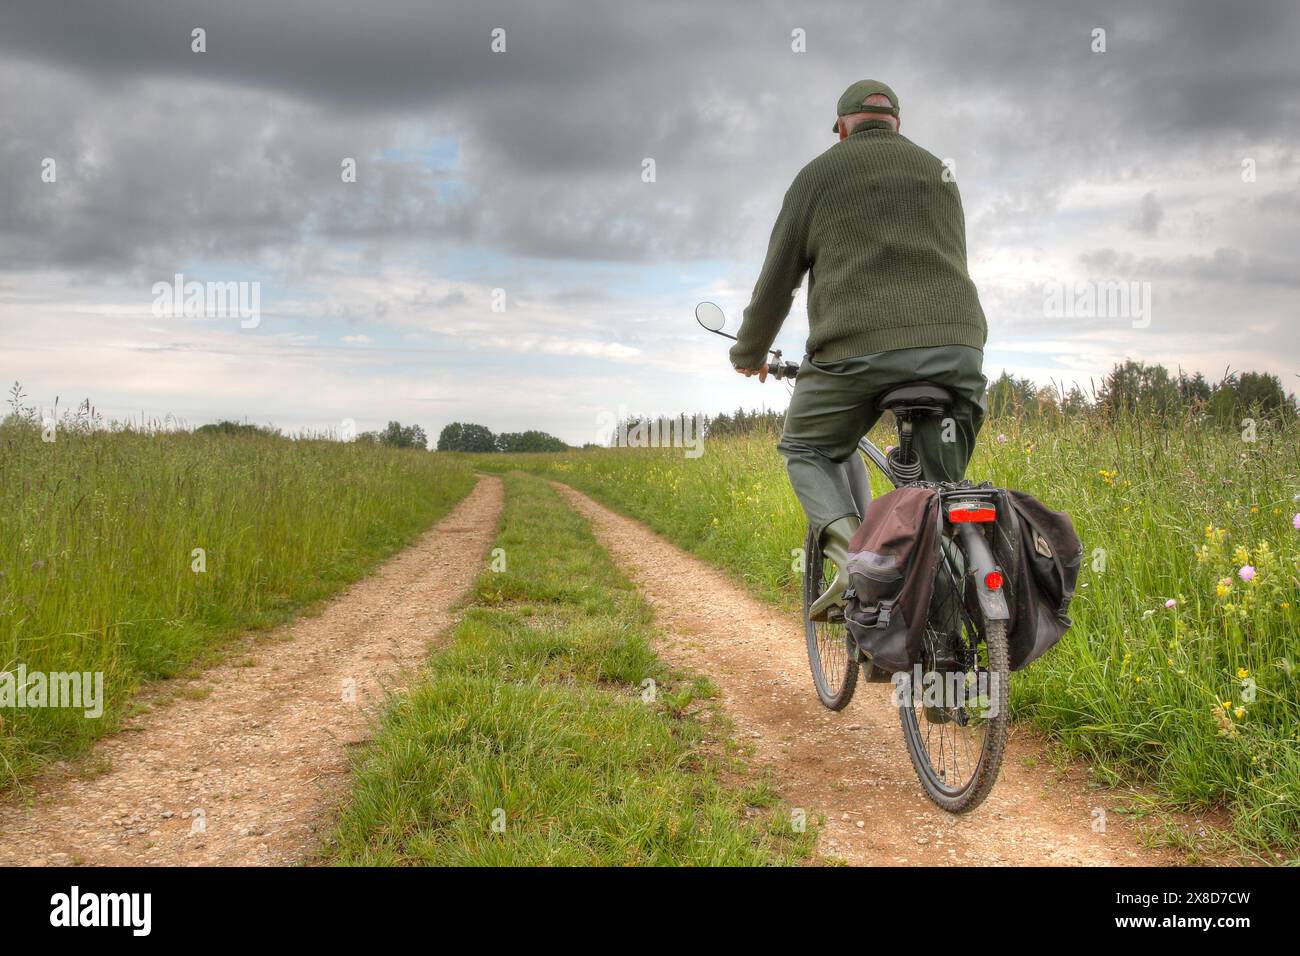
x=993, y=604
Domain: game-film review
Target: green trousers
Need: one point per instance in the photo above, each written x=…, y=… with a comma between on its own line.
x=834, y=404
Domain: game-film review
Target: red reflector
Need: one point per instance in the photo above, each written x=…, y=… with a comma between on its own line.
x=959, y=515
x=993, y=580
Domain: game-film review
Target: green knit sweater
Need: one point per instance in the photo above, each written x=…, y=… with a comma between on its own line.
x=884, y=240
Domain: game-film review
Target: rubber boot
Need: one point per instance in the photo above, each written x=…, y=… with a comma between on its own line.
x=835, y=547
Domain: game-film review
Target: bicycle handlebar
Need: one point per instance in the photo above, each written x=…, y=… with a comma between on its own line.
x=777, y=369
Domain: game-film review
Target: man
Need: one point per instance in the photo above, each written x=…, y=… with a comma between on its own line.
x=877, y=223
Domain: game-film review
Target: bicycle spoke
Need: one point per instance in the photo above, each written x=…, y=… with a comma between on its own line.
x=956, y=724
x=832, y=653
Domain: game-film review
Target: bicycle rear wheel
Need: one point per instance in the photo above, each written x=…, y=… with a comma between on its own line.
x=955, y=722
x=832, y=652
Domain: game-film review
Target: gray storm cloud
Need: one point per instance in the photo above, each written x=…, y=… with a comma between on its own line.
x=1072, y=163
x=554, y=130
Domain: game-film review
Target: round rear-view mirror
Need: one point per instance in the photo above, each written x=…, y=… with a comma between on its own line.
x=710, y=316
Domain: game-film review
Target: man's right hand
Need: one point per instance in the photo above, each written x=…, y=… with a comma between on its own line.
x=761, y=372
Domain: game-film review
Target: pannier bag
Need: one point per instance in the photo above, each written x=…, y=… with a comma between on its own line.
x=1039, y=553
x=891, y=565
x=894, y=557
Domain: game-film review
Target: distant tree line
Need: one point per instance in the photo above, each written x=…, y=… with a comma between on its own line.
x=739, y=422
x=459, y=436
x=1131, y=387
x=1137, y=388
x=454, y=437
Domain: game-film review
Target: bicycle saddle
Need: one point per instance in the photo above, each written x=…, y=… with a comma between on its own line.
x=917, y=394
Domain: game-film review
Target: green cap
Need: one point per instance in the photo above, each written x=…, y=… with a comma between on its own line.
x=851, y=100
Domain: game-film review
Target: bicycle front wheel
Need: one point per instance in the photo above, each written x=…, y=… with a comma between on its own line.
x=832, y=652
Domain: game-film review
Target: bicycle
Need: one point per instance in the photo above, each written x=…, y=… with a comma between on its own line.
x=964, y=646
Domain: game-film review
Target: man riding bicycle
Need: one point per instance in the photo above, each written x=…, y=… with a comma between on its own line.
x=877, y=223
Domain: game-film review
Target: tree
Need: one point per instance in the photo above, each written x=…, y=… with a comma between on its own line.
x=225, y=427
x=1074, y=402
x=529, y=441
x=1262, y=393
x=466, y=437
x=1250, y=393
x=1010, y=396
x=397, y=435
x=1194, y=390
x=1136, y=386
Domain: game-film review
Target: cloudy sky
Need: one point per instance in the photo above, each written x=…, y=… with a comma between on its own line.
x=522, y=171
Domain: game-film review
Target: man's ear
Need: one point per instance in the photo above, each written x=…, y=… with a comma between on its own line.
x=844, y=131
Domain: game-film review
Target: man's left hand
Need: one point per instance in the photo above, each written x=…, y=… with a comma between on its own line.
x=761, y=372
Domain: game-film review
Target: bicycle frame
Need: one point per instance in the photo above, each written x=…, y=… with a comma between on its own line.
x=975, y=544
x=877, y=458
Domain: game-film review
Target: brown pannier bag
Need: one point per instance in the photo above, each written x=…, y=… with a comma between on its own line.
x=891, y=566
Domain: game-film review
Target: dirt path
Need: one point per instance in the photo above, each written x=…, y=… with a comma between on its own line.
x=263, y=756
x=852, y=766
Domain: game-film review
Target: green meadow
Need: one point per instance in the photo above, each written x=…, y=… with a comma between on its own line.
x=136, y=554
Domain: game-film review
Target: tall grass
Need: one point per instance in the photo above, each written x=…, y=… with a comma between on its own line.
x=99, y=567
x=532, y=739
x=1199, y=700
